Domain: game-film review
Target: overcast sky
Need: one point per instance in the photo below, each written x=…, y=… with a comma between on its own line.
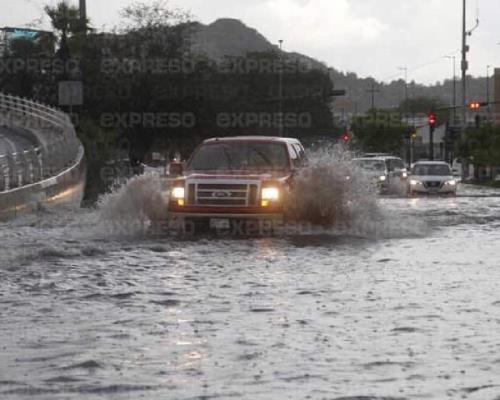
x=369, y=37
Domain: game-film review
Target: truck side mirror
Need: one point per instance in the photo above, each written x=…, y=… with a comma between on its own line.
x=176, y=168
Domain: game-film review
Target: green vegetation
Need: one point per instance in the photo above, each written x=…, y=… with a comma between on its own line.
x=481, y=146
x=142, y=79
x=421, y=104
x=380, y=131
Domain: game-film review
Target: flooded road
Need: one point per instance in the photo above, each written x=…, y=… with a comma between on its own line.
x=410, y=312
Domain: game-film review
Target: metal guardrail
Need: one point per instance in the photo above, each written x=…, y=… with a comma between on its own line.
x=57, y=144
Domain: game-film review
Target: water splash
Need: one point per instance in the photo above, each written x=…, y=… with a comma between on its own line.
x=330, y=192
x=334, y=196
x=330, y=195
x=132, y=207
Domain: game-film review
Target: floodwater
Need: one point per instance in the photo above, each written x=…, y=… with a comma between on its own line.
x=409, y=309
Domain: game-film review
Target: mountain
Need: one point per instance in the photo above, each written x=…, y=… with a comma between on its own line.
x=231, y=37
x=228, y=37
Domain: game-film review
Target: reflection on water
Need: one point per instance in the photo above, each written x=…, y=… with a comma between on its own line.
x=86, y=314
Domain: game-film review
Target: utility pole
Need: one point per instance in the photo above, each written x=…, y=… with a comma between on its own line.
x=83, y=15
x=432, y=118
x=488, y=91
x=280, y=89
x=405, y=69
x=372, y=91
x=464, y=66
x=454, y=89
x=83, y=10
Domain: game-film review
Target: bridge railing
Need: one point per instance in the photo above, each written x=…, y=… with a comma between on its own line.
x=56, y=146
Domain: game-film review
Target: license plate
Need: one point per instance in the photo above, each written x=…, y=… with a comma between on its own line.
x=219, y=223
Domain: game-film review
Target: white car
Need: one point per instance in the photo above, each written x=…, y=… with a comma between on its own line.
x=432, y=177
x=387, y=172
x=374, y=169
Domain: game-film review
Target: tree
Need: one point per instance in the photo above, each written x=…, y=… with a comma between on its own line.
x=150, y=17
x=421, y=104
x=380, y=131
x=481, y=145
x=66, y=20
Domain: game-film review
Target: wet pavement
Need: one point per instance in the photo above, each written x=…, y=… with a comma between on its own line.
x=410, y=310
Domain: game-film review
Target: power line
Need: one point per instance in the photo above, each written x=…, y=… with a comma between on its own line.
x=418, y=66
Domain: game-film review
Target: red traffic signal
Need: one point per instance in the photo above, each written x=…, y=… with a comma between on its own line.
x=345, y=137
x=432, y=119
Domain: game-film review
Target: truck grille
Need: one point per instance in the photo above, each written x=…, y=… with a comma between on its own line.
x=223, y=194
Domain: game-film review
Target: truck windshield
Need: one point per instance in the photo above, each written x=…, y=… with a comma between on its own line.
x=240, y=156
x=429, y=170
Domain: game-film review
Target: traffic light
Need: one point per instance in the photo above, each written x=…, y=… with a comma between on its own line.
x=432, y=119
x=476, y=105
x=345, y=137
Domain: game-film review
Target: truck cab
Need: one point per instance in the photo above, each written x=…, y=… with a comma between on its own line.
x=235, y=179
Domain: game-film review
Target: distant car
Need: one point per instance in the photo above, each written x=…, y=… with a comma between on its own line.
x=389, y=171
x=155, y=164
x=396, y=167
x=432, y=177
x=374, y=169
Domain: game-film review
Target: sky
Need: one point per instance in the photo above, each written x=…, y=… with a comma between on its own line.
x=378, y=38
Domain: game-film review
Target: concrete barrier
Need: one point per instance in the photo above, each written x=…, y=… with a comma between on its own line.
x=51, y=171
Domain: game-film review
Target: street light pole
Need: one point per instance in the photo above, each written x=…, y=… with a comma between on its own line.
x=405, y=110
x=280, y=90
x=405, y=69
x=372, y=91
x=488, y=90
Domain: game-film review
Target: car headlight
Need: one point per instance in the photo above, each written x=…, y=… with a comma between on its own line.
x=382, y=178
x=178, y=193
x=270, y=193
x=404, y=174
x=414, y=182
x=453, y=182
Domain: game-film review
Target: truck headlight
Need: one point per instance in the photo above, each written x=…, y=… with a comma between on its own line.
x=414, y=182
x=453, y=182
x=269, y=194
x=178, y=194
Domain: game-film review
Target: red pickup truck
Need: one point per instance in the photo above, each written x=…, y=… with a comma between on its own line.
x=235, y=180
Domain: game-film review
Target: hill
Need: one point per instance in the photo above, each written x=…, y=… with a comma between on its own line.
x=231, y=37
